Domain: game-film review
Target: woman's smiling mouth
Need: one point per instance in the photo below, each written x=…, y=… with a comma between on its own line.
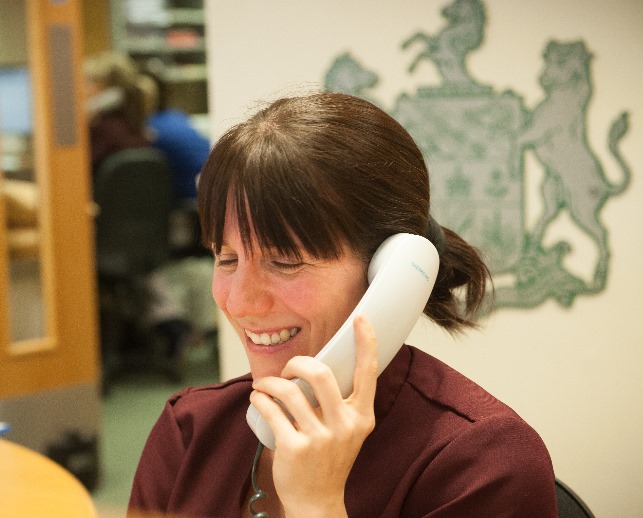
x=273, y=338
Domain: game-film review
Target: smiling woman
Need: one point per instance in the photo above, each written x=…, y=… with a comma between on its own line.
x=266, y=293
x=294, y=203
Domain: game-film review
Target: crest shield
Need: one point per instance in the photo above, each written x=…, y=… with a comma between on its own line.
x=469, y=141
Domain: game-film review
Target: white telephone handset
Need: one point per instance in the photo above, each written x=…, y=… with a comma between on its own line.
x=401, y=276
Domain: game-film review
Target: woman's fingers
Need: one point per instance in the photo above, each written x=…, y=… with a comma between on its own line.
x=365, y=378
x=334, y=412
x=290, y=412
x=318, y=376
x=322, y=379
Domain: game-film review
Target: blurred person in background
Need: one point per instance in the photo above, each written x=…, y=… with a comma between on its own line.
x=172, y=131
x=115, y=105
x=180, y=289
x=119, y=100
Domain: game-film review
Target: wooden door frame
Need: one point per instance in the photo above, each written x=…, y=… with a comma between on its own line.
x=68, y=355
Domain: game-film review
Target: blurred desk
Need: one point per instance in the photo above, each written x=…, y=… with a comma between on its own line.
x=31, y=485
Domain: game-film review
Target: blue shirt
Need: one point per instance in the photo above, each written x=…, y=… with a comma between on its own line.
x=186, y=149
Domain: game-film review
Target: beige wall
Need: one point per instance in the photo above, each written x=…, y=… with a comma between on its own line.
x=13, y=40
x=575, y=374
x=96, y=26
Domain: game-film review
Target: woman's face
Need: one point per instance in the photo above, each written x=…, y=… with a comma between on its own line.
x=281, y=308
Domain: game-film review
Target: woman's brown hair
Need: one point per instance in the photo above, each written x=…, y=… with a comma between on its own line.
x=326, y=170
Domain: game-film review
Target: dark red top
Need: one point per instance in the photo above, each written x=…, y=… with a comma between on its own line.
x=111, y=132
x=442, y=447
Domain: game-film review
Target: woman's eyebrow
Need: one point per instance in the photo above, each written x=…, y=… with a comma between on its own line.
x=222, y=246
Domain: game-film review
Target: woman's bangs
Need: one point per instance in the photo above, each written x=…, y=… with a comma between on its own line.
x=280, y=196
x=286, y=213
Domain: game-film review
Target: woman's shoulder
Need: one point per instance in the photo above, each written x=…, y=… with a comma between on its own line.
x=441, y=423
x=466, y=413
x=443, y=385
x=471, y=426
x=211, y=399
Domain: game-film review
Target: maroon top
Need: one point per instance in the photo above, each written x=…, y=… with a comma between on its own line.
x=442, y=447
x=111, y=132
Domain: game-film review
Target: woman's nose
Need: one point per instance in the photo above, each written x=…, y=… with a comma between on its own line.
x=249, y=294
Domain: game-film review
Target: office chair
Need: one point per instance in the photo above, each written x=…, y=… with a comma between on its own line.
x=133, y=192
x=569, y=503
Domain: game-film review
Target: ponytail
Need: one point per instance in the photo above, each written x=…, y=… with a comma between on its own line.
x=461, y=285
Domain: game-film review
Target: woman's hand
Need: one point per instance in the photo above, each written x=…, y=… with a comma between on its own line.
x=314, y=455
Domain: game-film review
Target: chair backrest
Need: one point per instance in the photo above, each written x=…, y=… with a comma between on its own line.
x=133, y=191
x=570, y=504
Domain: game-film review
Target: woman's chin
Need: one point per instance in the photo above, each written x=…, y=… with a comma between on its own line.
x=267, y=360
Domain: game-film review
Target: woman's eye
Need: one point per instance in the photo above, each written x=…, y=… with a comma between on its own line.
x=287, y=266
x=226, y=261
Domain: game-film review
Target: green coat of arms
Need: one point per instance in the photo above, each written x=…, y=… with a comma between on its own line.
x=475, y=139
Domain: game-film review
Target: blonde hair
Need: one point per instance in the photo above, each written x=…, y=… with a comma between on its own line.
x=113, y=70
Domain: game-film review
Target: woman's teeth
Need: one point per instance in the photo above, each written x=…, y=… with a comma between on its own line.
x=272, y=338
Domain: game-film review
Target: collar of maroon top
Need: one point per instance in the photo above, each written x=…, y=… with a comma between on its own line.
x=390, y=382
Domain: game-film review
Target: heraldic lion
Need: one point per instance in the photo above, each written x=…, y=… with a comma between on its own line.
x=556, y=131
